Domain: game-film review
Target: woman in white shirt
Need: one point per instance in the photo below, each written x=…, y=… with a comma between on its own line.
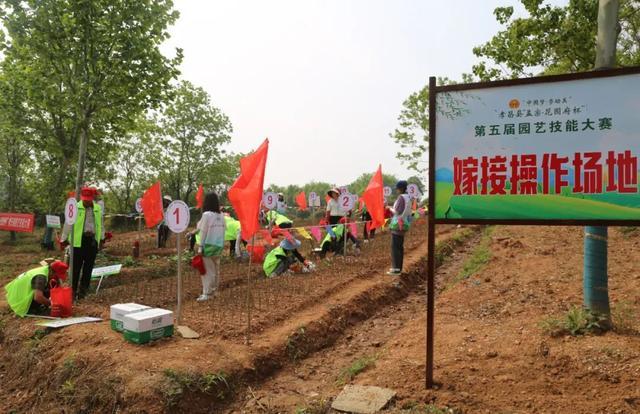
x=334, y=211
x=212, y=228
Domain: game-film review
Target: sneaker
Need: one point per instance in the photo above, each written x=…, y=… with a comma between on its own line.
x=202, y=298
x=394, y=272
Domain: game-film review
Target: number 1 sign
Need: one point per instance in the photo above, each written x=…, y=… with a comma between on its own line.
x=178, y=216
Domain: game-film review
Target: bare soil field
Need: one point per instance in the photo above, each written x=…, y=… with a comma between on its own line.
x=347, y=323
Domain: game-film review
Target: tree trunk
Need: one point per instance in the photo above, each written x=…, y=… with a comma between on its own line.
x=595, y=279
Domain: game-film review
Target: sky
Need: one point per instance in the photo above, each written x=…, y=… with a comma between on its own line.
x=324, y=80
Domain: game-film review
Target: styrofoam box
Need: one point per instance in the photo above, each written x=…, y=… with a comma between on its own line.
x=119, y=310
x=147, y=320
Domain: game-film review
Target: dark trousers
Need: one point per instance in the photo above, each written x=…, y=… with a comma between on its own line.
x=163, y=235
x=368, y=234
x=84, y=258
x=397, y=251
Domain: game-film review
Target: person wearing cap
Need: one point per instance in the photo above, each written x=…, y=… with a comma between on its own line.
x=400, y=222
x=274, y=218
x=163, y=229
x=88, y=238
x=282, y=257
x=29, y=293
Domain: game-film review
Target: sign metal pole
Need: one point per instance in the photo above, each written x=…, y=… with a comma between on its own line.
x=431, y=236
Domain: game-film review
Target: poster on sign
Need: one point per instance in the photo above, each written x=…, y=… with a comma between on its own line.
x=414, y=191
x=53, y=222
x=270, y=200
x=314, y=200
x=539, y=150
x=346, y=202
x=178, y=217
x=70, y=211
x=18, y=222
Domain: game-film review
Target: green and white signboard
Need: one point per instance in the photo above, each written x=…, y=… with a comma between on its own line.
x=562, y=148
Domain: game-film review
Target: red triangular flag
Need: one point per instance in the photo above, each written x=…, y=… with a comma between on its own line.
x=301, y=201
x=373, y=198
x=415, y=205
x=152, y=205
x=245, y=194
x=200, y=196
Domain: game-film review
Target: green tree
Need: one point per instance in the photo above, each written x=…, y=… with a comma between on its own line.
x=188, y=145
x=88, y=69
x=553, y=40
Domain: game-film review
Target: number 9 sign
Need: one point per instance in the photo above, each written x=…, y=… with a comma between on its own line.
x=270, y=200
x=346, y=201
x=70, y=211
x=178, y=217
x=413, y=191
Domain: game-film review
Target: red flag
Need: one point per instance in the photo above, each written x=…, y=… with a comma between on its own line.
x=415, y=205
x=301, y=201
x=200, y=196
x=373, y=198
x=246, y=193
x=152, y=205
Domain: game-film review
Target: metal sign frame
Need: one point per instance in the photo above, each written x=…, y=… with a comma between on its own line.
x=432, y=221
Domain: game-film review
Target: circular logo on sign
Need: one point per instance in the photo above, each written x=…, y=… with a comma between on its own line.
x=514, y=104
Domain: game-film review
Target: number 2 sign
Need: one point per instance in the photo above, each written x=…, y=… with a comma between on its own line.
x=70, y=211
x=178, y=216
x=270, y=200
x=346, y=201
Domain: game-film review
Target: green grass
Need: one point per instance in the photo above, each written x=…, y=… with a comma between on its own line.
x=358, y=366
x=176, y=383
x=577, y=321
x=530, y=207
x=480, y=256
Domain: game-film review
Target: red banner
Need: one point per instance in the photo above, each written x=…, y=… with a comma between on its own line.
x=17, y=222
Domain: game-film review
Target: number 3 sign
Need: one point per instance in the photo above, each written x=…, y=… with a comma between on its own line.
x=70, y=211
x=177, y=216
x=414, y=191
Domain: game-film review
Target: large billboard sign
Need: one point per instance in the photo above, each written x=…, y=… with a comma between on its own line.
x=562, y=148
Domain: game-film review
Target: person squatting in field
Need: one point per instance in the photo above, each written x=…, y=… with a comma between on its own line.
x=211, y=228
x=276, y=219
x=400, y=223
x=29, y=293
x=334, y=240
x=279, y=260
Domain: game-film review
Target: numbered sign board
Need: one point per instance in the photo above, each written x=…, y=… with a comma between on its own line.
x=270, y=200
x=387, y=191
x=70, y=211
x=177, y=217
x=413, y=191
x=139, y=205
x=346, y=201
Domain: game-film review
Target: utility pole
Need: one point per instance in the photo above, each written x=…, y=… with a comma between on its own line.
x=595, y=279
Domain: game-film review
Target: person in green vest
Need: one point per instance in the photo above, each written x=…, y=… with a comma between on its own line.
x=29, y=292
x=334, y=240
x=282, y=257
x=232, y=235
x=88, y=238
x=274, y=218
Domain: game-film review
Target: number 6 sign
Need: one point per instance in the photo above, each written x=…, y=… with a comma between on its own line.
x=178, y=216
x=270, y=200
x=70, y=211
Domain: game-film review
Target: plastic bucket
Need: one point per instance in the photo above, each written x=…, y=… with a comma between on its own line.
x=61, y=299
x=256, y=253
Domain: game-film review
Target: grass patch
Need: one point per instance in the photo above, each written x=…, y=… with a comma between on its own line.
x=480, y=256
x=623, y=317
x=295, y=341
x=317, y=407
x=176, y=383
x=413, y=407
x=628, y=231
x=358, y=366
x=577, y=321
